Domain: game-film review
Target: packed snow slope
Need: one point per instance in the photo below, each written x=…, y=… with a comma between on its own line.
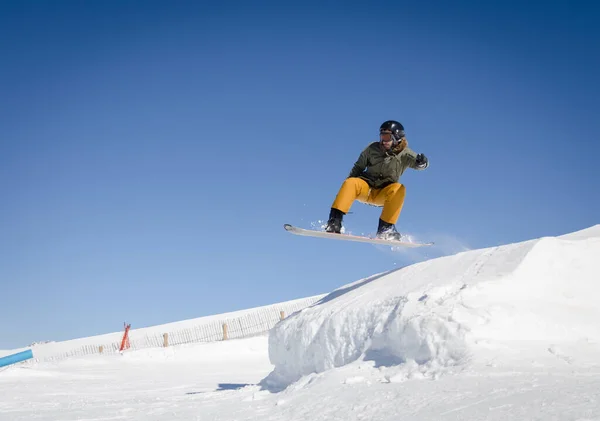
x=506, y=333
x=443, y=314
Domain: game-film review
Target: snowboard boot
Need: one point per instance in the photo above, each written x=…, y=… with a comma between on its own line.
x=334, y=224
x=387, y=231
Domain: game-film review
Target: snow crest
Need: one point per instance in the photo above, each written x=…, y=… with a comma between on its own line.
x=437, y=314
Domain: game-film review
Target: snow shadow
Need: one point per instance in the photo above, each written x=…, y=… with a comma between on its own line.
x=341, y=291
x=222, y=387
x=232, y=386
x=383, y=359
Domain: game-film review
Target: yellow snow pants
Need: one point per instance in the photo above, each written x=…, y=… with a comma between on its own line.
x=390, y=197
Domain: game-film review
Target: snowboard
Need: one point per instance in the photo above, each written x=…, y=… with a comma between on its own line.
x=350, y=237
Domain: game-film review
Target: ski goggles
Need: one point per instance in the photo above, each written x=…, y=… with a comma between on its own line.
x=384, y=134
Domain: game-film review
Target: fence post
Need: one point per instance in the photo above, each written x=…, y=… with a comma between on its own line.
x=166, y=340
x=281, y=315
x=224, y=331
x=125, y=341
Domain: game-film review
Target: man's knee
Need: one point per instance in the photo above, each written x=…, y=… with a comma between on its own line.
x=355, y=183
x=354, y=180
x=396, y=188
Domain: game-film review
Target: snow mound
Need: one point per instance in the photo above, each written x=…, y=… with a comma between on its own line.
x=441, y=313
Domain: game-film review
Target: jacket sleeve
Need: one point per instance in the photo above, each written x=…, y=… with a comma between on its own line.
x=409, y=158
x=360, y=164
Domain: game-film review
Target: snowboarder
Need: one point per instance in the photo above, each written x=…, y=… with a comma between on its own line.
x=374, y=179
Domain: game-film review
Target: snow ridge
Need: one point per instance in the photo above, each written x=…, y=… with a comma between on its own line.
x=437, y=315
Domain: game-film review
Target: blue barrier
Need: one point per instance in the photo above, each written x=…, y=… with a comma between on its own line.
x=16, y=358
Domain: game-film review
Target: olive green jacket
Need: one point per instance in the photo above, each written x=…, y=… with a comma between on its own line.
x=379, y=168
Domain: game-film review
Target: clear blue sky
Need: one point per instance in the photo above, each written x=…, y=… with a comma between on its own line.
x=150, y=152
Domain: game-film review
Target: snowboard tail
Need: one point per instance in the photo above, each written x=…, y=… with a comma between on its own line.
x=350, y=237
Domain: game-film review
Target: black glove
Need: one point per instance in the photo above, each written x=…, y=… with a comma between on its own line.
x=422, y=162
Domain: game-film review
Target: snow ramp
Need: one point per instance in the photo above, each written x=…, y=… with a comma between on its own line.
x=443, y=312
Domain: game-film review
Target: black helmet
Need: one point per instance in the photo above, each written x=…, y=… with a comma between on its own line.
x=396, y=128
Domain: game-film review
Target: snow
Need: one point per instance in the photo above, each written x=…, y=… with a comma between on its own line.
x=508, y=332
x=201, y=329
x=437, y=313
